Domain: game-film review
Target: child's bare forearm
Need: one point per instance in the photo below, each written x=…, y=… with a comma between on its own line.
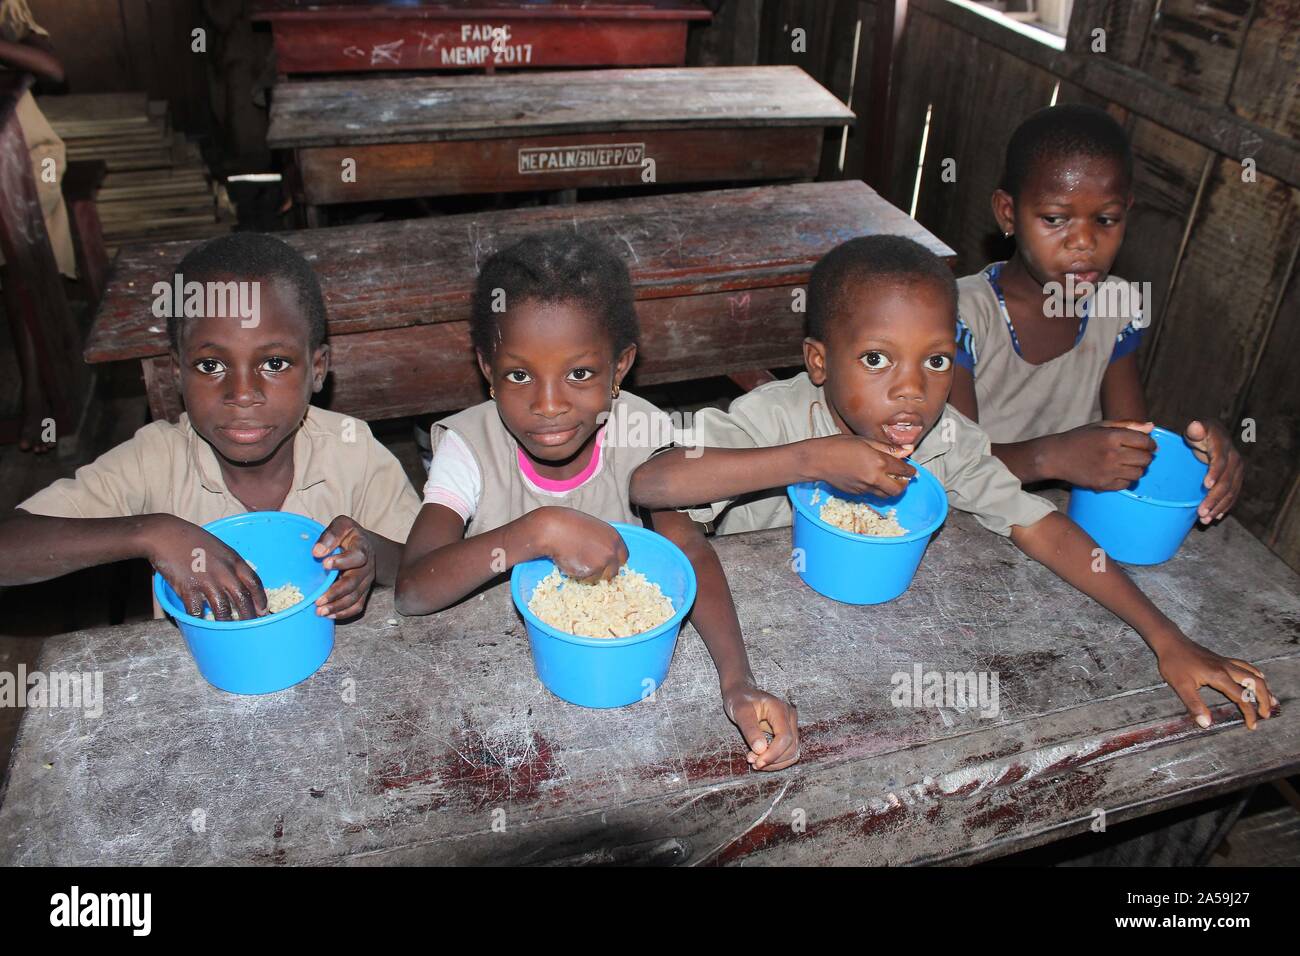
x=1059, y=544
x=714, y=614
x=1031, y=460
x=692, y=476
x=38, y=547
x=445, y=574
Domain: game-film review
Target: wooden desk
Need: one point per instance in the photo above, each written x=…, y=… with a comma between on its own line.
x=714, y=275
x=414, y=739
x=337, y=36
x=441, y=135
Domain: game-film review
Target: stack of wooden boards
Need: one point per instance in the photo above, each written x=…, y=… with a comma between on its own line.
x=157, y=187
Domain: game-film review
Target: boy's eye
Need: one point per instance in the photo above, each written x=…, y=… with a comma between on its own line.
x=876, y=360
x=517, y=377
x=1054, y=220
x=276, y=363
x=581, y=374
x=939, y=363
x=209, y=366
x=1108, y=220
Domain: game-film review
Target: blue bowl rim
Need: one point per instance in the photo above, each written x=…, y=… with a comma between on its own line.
x=922, y=473
x=181, y=615
x=1147, y=499
x=516, y=593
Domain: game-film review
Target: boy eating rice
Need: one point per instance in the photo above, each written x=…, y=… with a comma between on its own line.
x=879, y=359
x=249, y=441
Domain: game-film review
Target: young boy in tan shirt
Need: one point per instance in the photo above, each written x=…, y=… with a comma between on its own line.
x=249, y=441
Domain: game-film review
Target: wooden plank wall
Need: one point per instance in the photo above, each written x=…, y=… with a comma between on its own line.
x=1219, y=250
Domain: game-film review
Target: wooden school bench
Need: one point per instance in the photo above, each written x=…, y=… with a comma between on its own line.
x=716, y=276
x=443, y=135
x=430, y=740
x=338, y=36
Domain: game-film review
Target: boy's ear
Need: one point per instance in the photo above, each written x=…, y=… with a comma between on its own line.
x=320, y=366
x=1004, y=211
x=623, y=364
x=176, y=371
x=814, y=360
x=484, y=365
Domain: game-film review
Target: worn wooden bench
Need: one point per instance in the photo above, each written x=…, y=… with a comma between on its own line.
x=450, y=135
x=337, y=36
x=714, y=274
x=430, y=740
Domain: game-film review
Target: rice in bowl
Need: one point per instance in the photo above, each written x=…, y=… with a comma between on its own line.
x=622, y=606
x=861, y=518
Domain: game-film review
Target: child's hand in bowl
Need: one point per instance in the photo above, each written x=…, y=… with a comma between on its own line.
x=355, y=564
x=201, y=568
x=1187, y=666
x=757, y=714
x=583, y=547
x=1212, y=444
x=856, y=465
x=1102, y=456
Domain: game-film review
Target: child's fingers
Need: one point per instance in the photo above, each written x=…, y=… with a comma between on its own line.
x=342, y=591
x=1229, y=688
x=333, y=536
x=752, y=731
x=253, y=584
x=785, y=733
x=343, y=612
x=1251, y=679
x=1188, y=693
x=346, y=560
x=218, y=603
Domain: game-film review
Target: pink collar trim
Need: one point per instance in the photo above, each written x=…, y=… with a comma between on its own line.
x=566, y=484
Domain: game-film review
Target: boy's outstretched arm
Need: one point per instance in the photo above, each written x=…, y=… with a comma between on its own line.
x=440, y=565
x=39, y=547
x=1058, y=543
x=681, y=477
x=756, y=712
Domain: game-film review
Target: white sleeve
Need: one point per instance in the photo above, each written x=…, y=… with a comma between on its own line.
x=454, y=479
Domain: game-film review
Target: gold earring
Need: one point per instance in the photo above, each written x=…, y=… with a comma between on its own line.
x=492, y=393
x=615, y=394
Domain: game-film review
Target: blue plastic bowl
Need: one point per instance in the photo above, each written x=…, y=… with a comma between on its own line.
x=859, y=568
x=267, y=653
x=1146, y=522
x=615, y=671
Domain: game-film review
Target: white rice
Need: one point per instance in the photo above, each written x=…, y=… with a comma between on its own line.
x=277, y=599
x=626, y=604
x=861, y=518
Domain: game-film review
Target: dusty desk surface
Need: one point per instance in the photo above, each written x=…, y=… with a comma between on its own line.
x=435, y=108
x=432, y=740
x=585, y=129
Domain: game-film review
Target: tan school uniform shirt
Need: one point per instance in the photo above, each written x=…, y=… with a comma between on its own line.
x=169, y=469
x=956, y=451
x=634, y=431
x=1019, y=401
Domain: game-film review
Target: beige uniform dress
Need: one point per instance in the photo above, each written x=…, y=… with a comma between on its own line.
x=339, y=468
x=42, y=144
x=956, y=451
x=1019, y=401
x=634, y=430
